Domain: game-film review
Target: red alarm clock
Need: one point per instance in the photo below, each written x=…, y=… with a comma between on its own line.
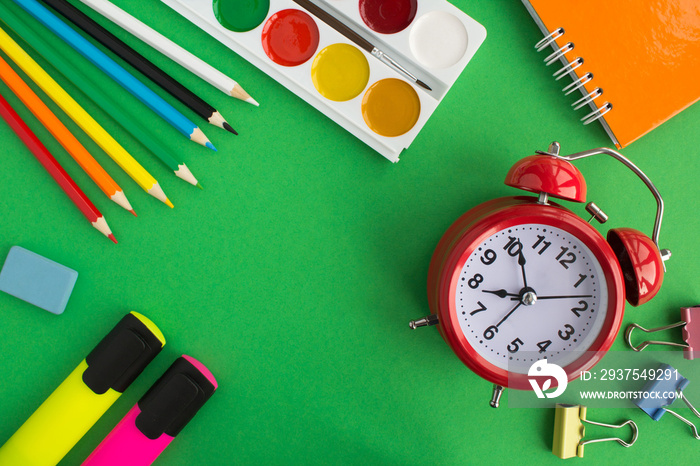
x=519, y=279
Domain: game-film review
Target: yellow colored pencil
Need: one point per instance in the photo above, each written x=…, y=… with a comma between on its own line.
x=98, y=134
x=63, y=136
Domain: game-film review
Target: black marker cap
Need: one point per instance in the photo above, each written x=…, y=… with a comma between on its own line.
x=175, y=398
x=123, y=354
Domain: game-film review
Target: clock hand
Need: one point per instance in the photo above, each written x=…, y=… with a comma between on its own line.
x=508, y=315
x=521, y=262
x=501, y=293
x=559, y=297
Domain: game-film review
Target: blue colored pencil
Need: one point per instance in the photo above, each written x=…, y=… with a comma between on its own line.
x=115, y=71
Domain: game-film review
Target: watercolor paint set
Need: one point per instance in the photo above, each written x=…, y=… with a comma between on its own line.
x=378, y=68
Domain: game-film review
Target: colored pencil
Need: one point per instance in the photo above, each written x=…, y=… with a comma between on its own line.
x=114, y=71
x=63, y=135
x=170, y=49
x=140, y=63
x=82, y=118
x=57, y=172
x=71, y=72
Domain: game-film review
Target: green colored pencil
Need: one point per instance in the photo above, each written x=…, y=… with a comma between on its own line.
x=94, y=93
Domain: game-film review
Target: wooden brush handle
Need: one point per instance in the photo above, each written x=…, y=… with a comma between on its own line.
x=336, y=24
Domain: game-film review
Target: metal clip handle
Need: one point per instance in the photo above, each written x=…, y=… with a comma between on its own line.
x=695, y=411
x=692, y=426
x=644, y=344
x=635, y=433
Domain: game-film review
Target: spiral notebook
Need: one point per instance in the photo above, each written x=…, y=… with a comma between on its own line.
x=636, y=62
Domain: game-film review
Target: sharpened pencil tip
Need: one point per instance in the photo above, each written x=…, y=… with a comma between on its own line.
x=111, y=236
x=184, y=173
x=228, y=128
x=211, y=146
x=133, y=212
x=169, y=204
x=199, y=186
x=238, y=92
x=423, y=85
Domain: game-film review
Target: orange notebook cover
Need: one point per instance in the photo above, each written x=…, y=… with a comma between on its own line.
x=644, y=55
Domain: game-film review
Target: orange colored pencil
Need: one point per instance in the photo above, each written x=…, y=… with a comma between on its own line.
x=52, y=166
x=63, y=135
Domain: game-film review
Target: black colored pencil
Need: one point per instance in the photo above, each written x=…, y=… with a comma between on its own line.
x=140, y=63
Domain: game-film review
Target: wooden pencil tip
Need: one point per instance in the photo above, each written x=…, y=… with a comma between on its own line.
x=121, y=199
x=111, y=236
x=240, y=94
x=184, y=173
x=133, y=212
x=169, y=204
x=228, y=128
x=200, y=138
x=199, y=186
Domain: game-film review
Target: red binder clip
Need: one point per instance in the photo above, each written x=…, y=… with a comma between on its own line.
x=690, y=321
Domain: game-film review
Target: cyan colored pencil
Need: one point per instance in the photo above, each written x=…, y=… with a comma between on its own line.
x=116, y=72
x=93, y=92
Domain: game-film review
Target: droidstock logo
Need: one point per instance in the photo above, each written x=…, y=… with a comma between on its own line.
x=543, y=369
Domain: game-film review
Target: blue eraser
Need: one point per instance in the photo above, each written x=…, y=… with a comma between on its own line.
x=37, y=280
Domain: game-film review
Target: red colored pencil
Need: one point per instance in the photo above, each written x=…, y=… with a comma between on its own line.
x=52, y=166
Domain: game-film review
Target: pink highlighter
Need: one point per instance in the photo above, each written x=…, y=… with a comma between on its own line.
x=150, y=426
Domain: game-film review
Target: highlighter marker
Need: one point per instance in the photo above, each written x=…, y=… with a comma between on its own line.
x=158, y=417
x=69, y=412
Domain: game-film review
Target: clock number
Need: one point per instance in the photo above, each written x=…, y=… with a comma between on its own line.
x=489, y=257
x=490, y=332
x=515, y=345
x=475, y=281
x=567, y=332
x=579, y=310
x=482, y=308
x=543, y=345
x=571, y=257
x=542, y=241
x=582, y=277
x=514, y=246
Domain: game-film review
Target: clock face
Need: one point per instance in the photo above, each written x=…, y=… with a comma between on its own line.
x=530, y=292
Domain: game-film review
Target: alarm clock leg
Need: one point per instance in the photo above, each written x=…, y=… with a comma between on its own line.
x=426, y=321
x=496, y=396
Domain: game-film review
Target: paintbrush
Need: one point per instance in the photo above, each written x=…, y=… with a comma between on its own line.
x=363, y=43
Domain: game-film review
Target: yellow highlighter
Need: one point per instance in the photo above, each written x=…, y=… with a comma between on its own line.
x=69, y=412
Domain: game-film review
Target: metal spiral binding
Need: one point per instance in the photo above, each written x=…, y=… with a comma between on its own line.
x=564, y=70
x=578, y=84
x=597, y=113
x=541, y=45
x=559, y=53
x=583, y=101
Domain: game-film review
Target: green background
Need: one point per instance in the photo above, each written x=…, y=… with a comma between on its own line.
x=294, y=273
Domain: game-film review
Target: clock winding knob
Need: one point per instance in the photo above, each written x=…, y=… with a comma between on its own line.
x=426, y=321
